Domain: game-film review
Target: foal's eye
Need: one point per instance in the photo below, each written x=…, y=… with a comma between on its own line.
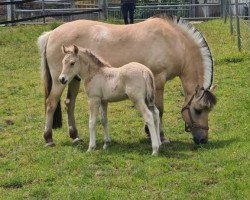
x=72, y=64
x=198, y=111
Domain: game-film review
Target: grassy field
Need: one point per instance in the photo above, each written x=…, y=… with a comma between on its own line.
x=217, y=170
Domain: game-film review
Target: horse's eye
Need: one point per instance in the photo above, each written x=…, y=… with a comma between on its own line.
x=198, y=111
x=72, y=64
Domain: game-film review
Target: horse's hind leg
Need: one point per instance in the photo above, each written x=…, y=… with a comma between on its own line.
x=160, y=106
x=51, y=104
x=70, y=101
x=155, y=112
x=149, y=121
x=104, y=120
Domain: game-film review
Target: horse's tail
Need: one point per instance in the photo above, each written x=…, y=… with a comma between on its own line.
x=47, y=79
x=150, y=88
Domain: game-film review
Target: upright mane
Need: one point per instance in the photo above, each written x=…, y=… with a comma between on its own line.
x=201, y=42
x=95, y=58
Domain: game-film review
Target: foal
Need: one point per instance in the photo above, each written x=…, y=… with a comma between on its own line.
x=104, y=84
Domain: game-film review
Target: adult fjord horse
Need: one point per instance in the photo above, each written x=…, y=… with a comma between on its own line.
x=169, y=47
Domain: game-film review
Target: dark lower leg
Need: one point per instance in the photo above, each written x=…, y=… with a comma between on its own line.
x=131, y=13
x=125, y=13
x=73, y=89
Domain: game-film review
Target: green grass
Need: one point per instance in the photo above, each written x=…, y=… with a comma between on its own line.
x=217, y=170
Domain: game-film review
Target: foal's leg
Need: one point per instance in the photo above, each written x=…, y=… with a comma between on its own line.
x=94, y=104
x=51, y=104
x=149, y=121
x=104, y=120
x=73, y=89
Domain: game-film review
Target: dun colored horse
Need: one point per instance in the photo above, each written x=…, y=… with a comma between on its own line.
x=169, y=47
x=104, y=84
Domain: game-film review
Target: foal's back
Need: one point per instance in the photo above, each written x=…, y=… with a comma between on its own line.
x=126, y=81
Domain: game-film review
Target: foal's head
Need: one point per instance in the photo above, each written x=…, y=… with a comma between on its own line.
x=195, y=114
x=71, y=64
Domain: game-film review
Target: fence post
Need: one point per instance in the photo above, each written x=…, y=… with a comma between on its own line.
x=238, y=25
x=43, y=11
x=192, y=9
x=230, y=17
x=222, y=10
x=249, y=11
x=10, y=11
x=225, y=10
x=103, y=4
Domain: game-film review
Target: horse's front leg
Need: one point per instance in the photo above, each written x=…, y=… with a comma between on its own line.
x=104, y=120
x=70, y=101
x=51, y=104
x=94, y=104
x=160, y=106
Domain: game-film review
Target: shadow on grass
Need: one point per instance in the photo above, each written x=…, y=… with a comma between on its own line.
x=176, y=149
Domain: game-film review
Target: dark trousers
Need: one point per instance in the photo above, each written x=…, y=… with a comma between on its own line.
x=128, y=8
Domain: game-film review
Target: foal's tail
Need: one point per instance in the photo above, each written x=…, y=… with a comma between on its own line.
x=150, y=88
x=47, y=79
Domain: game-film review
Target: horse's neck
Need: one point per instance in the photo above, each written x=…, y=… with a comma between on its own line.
x=192, y=76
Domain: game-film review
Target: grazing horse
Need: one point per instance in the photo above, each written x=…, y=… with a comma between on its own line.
x=104, y=84
x=169, y=47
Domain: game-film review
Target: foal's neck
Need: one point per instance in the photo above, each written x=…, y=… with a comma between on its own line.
x=92, y=68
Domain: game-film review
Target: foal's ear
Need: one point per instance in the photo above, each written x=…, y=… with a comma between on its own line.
x=63, y=49
x=75, y=49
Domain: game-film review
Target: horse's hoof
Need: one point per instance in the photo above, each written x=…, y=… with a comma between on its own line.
x=155, y=153
x=50, y=144
x=164, y=141
x=106, y=145
x=77, y=141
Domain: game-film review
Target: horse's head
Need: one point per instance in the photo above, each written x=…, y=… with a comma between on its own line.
x=71, y=64
x=195, y=114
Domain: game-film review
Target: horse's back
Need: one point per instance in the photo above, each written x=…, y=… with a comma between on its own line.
x=152, y=42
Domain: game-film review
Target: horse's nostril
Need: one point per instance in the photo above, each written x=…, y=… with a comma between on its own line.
x=200, y=141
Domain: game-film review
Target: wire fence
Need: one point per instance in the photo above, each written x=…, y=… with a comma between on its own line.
x=41, y=11
x=232, y=11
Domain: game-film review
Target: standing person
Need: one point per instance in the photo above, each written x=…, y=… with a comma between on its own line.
x=128, y=7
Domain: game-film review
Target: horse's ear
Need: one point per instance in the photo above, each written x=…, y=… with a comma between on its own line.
x=212, y=88
x=199, y=91
x=75, y=49
x=63, y=49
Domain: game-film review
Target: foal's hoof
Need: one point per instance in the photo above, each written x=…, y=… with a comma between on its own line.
x=106, y=145
x=50, y=144
x=155, y=153
x=91, y=149
x=77, y=141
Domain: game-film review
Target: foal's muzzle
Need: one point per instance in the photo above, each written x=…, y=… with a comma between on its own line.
x=63, y=80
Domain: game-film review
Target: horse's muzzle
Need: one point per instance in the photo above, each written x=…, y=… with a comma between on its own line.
x=200, y=140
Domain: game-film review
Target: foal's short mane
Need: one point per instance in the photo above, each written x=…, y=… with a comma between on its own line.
x=201, y=42
x=95, y=58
